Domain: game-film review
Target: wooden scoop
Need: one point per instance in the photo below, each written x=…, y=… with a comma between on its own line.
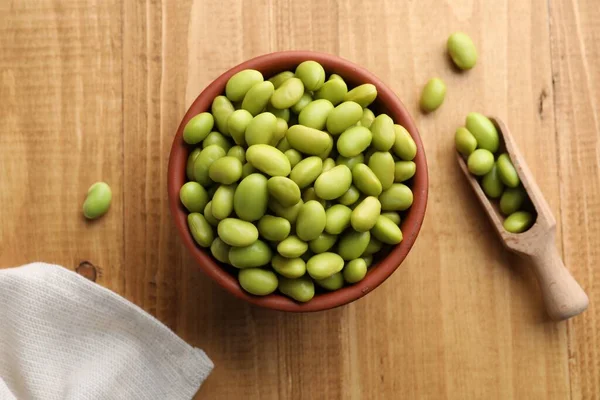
x=563, y=296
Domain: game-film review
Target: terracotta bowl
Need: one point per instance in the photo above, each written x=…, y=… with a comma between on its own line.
x=387, y=102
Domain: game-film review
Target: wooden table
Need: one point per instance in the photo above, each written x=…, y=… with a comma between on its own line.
x=95, y=91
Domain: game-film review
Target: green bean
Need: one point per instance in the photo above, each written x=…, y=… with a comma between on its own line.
x=312, y=74
x=398, y=197
x=198, y=128
x=189, y=169
x=507, y=172
x=225, y=170
x=284, y=190
x=281, y=128
x=311, y=220
x=258, y=97
x=334, y=282
x=274, y=228
x=209, y=215
x=301, y=289
x=364, y=94
x=365, y=180
x=404, y=170
x=354, y=141
x=480, y=162
x=512, y=200
x=387, y=231
x=350, y=162
x=328, y=164
x=277, y=80
x=306, y=171
x=365, y=214
x=383, y=132
x=324, y=265
x=237, y=123
x=518, y=222
x=322, y=243
x=289, y=213
x=484, y=131
x=314, y=115
x=294, y=156
x=200, y=229
x=283, y=113
x=333, y=183
x=305, y=100
x=99, y=197
x=333, y=90
x=203, y=162
x=221, y=109
x=350, y=197
x=310, y=194
x=222, y=202
x=288, y=267
x=355, y=270
x=193, y=196
x=248, y=169
x=465, y=141
x=393, y=215
x=251, y=197
x=367, y=118
x=261, y=129
x=338, y=219
x=433, y=95
x=292, y=247
x=236, y=232
x=220, y=250
x=382, y=165
x=343, y=117
x=491, y=183
x=255, y=255
x=404, y=145
x=462, y=50
x=257, y=281
x=288, y=93
x=240, y=83
x=237, y=152
x=373, y=247
x=308, y=140
x=217, y=139
x=352, y=244
x=268, y=159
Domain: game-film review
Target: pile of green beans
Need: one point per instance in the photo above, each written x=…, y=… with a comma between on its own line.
x=479, y=141
x=295, y=181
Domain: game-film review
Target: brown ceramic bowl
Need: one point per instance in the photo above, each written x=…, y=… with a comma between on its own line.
x=387, y=102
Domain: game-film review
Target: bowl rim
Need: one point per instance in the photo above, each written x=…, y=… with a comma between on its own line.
x=411, y=224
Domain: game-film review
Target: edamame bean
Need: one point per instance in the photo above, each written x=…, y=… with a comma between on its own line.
x=292, y=247
x=236, y=232
x=368, y=260
x=355, y=270
x=365, y=214
x=193, y=196
x=261, y=129
x=237, y=152
x=462, y=50
x=288, y=93
x=352, y=244
x=334, y=282
x=220, y=250
x=365, y=180
x=480, y=162
x=398, y=197
x=283, y=114
x=255, y=255
x=383, y=132
x=309, y=194
x=205, y=159
x=301, y=289
x=491, y=184
x=387, y=231
x=281, y=77
x=274, y=228
x=209, y=216
x=281, y=128
x=189, y=169
x=404, y=170
x=324, y=265
x=258, y=97
x=225, y=170
x=350, y=162
x=288, y=267
x=306, y=171
x=335, y=76
x=350, y=197
x=322, y=243
x=268, y=159
x=312, y=75
x=325, y=154
x=283, y=145
x=248, y=169
x=484, y=131
x=334, y=183
x=394, y=216
x=305, y=100
x=216, y=138
x=404, y=145
x=382, y=165
x=338, y=218
x=512, y=200
x=314, y=115
x=240, y=83
x=257, y=281
x=294, y=156
x=289, y=213
x=364, y=94
x=311, y=220
x=237, y=123
x=200, y=229
x=333, y=90
x=433, y=95
x=222, y=201
x=354, y=141
x=99, y=197
x=373, y=247
x=308, y=140
x=251, y=198
x=367, y=118
x=198, y=128
x=221, y=110
x=328, y=164
x=465, y=141
x=284, y=190
x=507, y=172
x=343, y=117
x=518, y=222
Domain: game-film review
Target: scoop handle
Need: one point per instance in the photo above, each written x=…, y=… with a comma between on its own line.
x=563, y=296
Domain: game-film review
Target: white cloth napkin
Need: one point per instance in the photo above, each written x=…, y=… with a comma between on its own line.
x=64, y=337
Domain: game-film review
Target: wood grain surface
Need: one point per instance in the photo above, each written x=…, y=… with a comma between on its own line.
x=95, y=91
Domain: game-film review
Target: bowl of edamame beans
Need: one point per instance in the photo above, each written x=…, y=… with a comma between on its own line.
x=298, y=181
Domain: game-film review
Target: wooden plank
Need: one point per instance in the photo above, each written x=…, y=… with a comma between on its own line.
x=61, y=121
x=576, y=56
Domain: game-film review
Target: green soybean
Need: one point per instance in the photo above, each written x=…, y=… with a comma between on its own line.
x=237, y=152
x=274, y=228
x=281, y=128
x=364, y=94
x=217, y=139
x=507, y=172
x=261, y=129
x=398, y=197
x=465, y=141
x=334, y=282
x=312, y=74
x=248, y=169
x=350, y=162
x=365, y=214
x=301, y=289
x=354, y=141
x=268, y=159
x=338, y=218
x=237, y=123
x=283, y=145
x=277, y=80
x=200, y=229
x=257, y=281
x=251, y=197
x=462, y=50
x=288, y=267
x=236, y=232
x=367, y=118
x=305, y=100
x=333, y=90
x=387, y=231
x=512, y=200
x=350, y=197
x=328, y=164
x=306, y=171
x=382, y=165
x=433, y=95
x=491, y=184
x=221, y=109
x=480, y=162
x=225, y=170
x=484, y=131
x=203, y=162
x=393, y=215
x=373, y=247
x=240, y=83
x=383, y=132
x=310, y=194
x=193, y=196
x=322, y=243
x=324, y=265
x=294, y=156
x=284, y=190
x=283, y=114
x=333, y=183
x=518, y=222
x=189, y=169
x=365, y=180
x=222, y=201
x=198, y=128
x=355, y=270
x=308, y=140
x=98, y=199
x=404, y=145
x=343, y=117
x=404, y=170
x=314, y=115
x=327, y=152
x=255, y=255
x=311, y=220
x=288, y=93
x=209, y=215
x=258, y=97
x=289, y=213
x=352, y=244
x=292, y=247
x=220, y=250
